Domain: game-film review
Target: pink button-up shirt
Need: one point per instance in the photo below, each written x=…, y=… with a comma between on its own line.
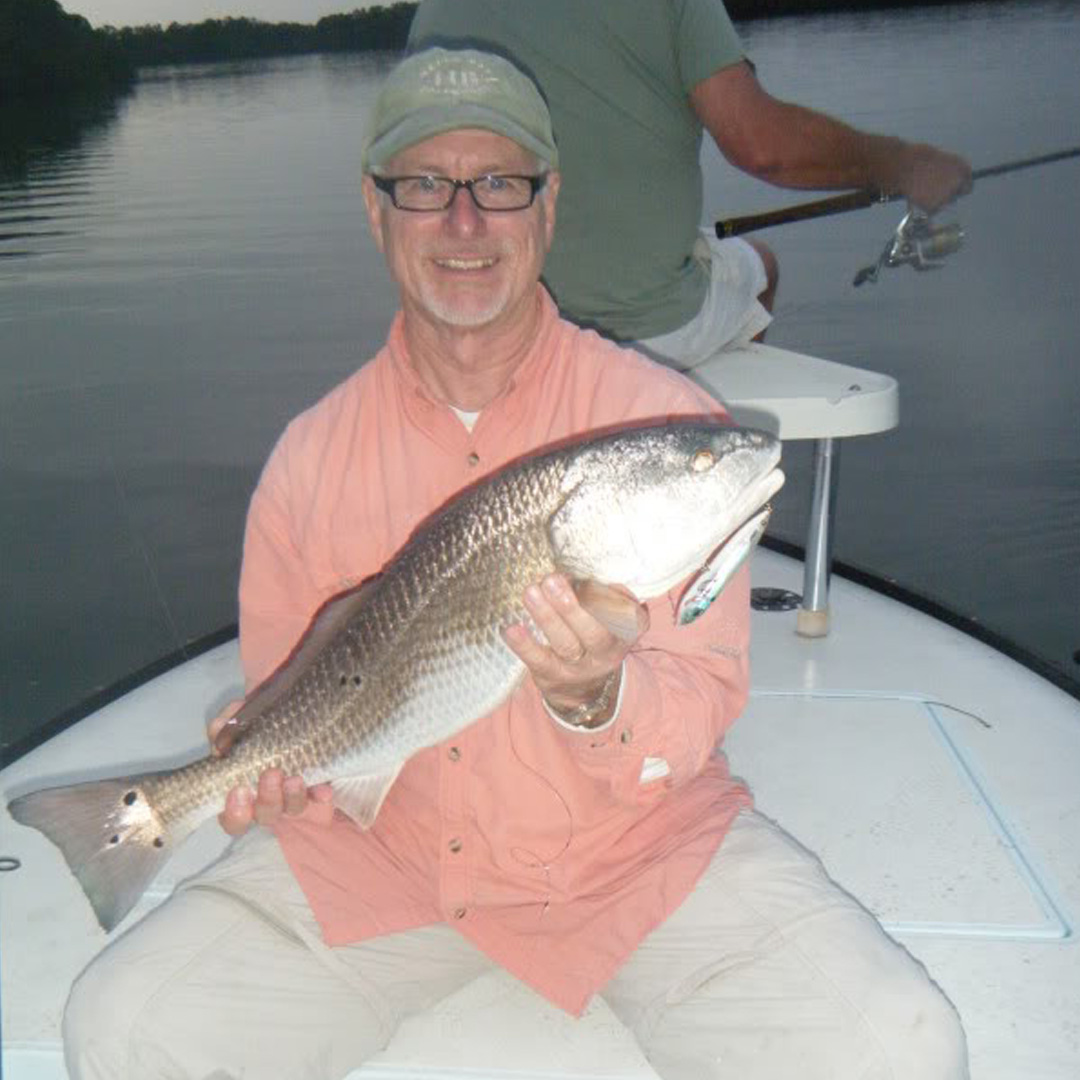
x=553, y=851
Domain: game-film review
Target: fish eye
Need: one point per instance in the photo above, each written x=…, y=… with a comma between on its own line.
x=702, y=460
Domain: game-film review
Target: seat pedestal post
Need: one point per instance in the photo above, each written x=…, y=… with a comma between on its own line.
x=813, y=616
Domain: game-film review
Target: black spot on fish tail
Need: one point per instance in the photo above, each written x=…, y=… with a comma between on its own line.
x=109, y=834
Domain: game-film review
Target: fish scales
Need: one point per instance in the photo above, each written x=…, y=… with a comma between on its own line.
x=478, y=558
x=416, y=654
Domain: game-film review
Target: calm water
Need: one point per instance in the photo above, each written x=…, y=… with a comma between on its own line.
x=184, y=270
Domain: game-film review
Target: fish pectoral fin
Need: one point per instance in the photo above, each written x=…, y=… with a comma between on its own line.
x=613, y=608
x=361, y=796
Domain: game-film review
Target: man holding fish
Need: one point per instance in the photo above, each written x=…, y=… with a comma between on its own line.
x=582, y=832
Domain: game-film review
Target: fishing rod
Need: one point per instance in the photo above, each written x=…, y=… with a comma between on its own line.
x=917, y=241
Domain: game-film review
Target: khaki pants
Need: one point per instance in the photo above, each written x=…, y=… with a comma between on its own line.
x=768, y=970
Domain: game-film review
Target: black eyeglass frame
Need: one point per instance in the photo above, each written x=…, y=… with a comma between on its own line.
x=387, y=183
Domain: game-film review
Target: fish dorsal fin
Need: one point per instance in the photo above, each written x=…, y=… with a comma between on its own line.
x=613, y=608
x=327, y=622
x=361, y=796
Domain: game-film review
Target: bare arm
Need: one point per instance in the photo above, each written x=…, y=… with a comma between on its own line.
x=794, y=147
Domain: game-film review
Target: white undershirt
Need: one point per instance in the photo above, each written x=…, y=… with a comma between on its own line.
x=467, y=418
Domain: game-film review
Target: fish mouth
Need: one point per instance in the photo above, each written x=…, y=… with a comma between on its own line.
x=730, y=554
x=751, y=504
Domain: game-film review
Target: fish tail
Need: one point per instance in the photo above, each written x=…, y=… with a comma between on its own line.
x=110, y=834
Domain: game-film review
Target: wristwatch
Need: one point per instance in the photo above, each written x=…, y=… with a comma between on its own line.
x=586, y=715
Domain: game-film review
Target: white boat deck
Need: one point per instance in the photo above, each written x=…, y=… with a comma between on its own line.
x=959, y=831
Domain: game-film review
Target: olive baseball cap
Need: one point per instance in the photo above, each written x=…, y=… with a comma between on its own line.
x=438, y=90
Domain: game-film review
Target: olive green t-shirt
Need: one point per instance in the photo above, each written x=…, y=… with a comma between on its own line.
x=616, y=74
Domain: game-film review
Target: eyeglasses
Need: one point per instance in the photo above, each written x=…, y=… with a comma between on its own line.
x=497, y=193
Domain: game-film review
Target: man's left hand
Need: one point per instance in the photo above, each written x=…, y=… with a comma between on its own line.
x=580, y=653
x=929, y=178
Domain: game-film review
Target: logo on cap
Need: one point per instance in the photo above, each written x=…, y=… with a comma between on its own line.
x=457, y=77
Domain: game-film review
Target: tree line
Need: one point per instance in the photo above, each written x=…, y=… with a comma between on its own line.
x=46, y=52
x=371, y=29
x=747, y=10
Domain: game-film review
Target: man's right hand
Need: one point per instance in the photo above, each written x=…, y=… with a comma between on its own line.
x=277, y=796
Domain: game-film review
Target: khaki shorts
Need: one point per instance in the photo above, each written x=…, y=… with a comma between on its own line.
x=730, y=316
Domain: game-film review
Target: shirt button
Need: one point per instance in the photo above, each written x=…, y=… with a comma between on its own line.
x=454, y=845
x=459, y=913
x=454, y=753
x=473, y=459
x=626, y=736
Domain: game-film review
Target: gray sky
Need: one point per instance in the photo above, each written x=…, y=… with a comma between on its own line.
x=143, y=12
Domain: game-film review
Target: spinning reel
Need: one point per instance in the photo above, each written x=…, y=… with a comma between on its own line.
x=917, y=242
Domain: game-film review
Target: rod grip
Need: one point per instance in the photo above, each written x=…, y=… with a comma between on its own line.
x=834, y=204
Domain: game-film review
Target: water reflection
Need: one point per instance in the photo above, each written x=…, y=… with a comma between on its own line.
x=203, y=273
x=47, y=149
x=208, y=277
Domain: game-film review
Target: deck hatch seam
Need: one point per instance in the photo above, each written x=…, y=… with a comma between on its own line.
x=1057, y=928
